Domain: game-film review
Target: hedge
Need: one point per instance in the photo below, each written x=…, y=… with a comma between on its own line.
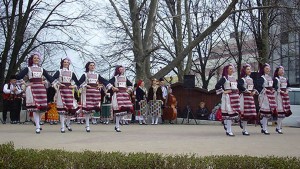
x=31, y=158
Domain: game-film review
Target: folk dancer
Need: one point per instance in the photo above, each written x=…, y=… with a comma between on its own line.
x=91, y=95
x=266, y=98
x=230, y=105
x=247, y=104
x=121, y=102
x=281, y=85
x=36, y=96
x=66, y=82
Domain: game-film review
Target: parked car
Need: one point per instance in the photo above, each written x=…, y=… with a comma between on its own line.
x=294, y=119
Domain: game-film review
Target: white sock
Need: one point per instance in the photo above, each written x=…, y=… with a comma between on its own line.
x=244, y=124
x=279, y=123
x=152, y=119
x=87, y=120
x=264, y=123
x=228, y=124
x=118, y=121
x=68, y=120
x=156, y=119
x=62, y=121
x=36, y=117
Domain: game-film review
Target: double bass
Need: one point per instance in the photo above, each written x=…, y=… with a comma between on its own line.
x=170, y=111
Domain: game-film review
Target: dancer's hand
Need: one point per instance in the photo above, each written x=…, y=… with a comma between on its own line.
x=227, y=91
x=72, y=87
x=99, y=86
x=88, y=86
x=115, y=89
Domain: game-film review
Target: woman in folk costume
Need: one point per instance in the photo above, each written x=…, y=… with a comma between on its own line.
x=155, y=97
x=230, y=105
x=90, y=95
x=121, y=102
x=36, y=96
x=141, y=102
x=66, y=81
x=247, y=104
x=281, y=85
x=266, y=98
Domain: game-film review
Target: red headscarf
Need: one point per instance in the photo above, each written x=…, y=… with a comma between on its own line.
x=139, y=83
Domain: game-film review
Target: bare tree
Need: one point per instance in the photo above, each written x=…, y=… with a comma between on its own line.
x=49, y=27
x=145, y=43
x=37, y=25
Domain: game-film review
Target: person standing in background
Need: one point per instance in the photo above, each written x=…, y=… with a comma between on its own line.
x=155, y=97
x=12, y=99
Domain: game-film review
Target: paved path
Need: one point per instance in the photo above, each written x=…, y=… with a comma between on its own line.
x=202, y=140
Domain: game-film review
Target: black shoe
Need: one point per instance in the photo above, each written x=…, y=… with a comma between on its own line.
x=245, y=133
x=265, y=132
x=87, y=129
x=69, y=128
x=117, y=129
x=37, y=131
x=230, y=134
x=279, y=131
x=3, y=122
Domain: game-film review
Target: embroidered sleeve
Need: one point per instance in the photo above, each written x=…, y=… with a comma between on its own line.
x=219, y=86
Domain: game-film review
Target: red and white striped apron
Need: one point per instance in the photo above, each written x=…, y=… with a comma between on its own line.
x=121, y=99
x=283, y=99
x=268, y=104
x=247, y=101
x=230, y=102
x=36, y=95
x=91, y=97
x=65, y=98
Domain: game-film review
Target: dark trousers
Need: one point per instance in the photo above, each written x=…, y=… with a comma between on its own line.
x=18, y=107
x=14, y=107
x=6, y=108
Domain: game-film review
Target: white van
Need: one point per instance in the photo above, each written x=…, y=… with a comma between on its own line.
x=294, y=119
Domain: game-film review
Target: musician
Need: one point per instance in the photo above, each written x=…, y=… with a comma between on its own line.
x=121, y=102
x=12, y=99
x=281, y=85
x=266, y=98
x=246, y=87
x=141, y=102
x=91, y=95
x=66, y=81
x=230, y=106
x=36, y=96
x=155, y=97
